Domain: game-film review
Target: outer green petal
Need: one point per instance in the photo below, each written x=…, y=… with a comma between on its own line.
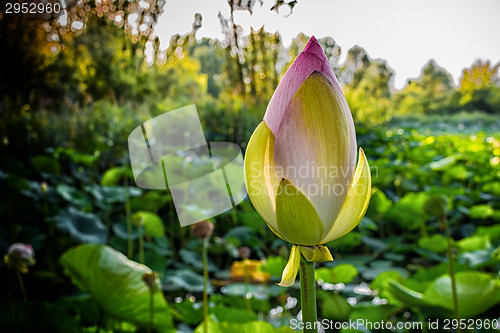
x=316, y=146
x=296, y=217
x=291, y=268
x=356, y=202
x=318, y=253
x=259, y=171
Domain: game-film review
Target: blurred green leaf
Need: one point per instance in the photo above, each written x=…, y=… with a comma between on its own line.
x=372, y=313
x=457, y=172
x=379, y=205
x=479, y=258
x=348, y=242
x=492, y=231
x=436, y=243
x=189, y=312
x=74, y=196
x=112, y=194
x=153, y=225
x=335, y=307
x=111, y=177
x=227, y=314
x=481, y=212
x=436, y=205
x=408, y=212
x=443, y=163
x=194, y=258
x=187, y=280
x=248, y=327
x=150, y=201
x=44, y=164
x=116, y=284
x=476, y=292
x=261, y=292
x=82, y=227
x=343, y=273
x=405, y=295
x=274, y=266
x=473, y=243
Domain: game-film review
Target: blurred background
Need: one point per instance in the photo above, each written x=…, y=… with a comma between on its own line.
x=422, y=82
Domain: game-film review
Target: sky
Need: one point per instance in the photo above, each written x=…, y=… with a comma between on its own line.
x=405, y=33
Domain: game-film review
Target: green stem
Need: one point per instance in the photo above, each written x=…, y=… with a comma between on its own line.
x=21, y=285
x=246, y=280
x=308, y=296
x=451, y=270
x=128, y=217
x=205, y=286
x=422, y=320
x=141, y=244
x=151, y=310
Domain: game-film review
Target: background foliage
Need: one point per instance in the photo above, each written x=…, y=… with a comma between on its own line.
x=73, y=91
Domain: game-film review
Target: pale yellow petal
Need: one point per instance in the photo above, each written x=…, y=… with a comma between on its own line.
x=356, y=203
x=259, y=173
x=291, y=268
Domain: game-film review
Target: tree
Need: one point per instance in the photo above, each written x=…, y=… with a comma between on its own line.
x=33, y=45
x=479, y=87
x=432, y=92
x=367, y=86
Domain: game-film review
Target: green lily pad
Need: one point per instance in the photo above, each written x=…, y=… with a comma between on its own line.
x=372, y=313
x=479, y=258
x=379, y=205
x=189, y=312
x=151, y=201
x=436, y=205
x=112, y=194
x=408, y=212
x=120, y=230
x=74, y=196
x=443, y=163
x=348, y=242
x=381, y=284
x=153, y=224
x=335, y=307
x=44, y=164
x=248, y=327
x=405, y=295
x=233, y=315
x=116, y=284
x=260, y=292
x=474, y=243
x=481, y=212
x=477, y=292
x=492, y=231
x=82, y=227
x=425, y=276
x=112, y=176
x=274, y=266
x=343, y=273
x=436, y=243
x=195, y=259
x=187, y=280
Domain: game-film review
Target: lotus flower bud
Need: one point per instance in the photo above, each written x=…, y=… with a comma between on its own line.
x=244, y=252
x=150, y=279
x=300, y=162
x=20, y=256
x=203, y=229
